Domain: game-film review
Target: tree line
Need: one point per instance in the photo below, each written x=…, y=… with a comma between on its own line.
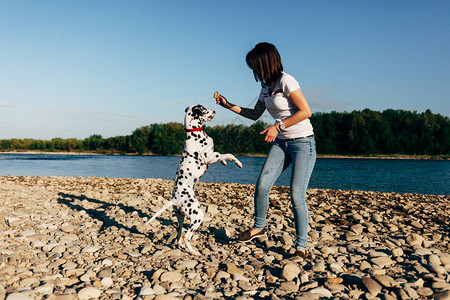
x=363, y=132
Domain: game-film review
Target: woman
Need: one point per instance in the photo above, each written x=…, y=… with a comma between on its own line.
x=291, y=138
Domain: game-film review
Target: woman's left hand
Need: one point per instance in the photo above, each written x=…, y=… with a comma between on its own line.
x=271, y=133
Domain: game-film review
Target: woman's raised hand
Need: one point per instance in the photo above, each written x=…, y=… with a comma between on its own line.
x=221, y=100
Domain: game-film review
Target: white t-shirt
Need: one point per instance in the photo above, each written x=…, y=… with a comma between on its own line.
x=280, y=107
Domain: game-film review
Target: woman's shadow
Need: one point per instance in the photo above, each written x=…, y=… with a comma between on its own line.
x=99, y=212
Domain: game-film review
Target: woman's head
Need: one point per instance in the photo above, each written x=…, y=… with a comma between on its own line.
x=265, y=61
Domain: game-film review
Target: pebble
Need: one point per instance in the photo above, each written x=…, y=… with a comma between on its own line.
x=414, y=239
x=336, y=280
x=146, y=291
x=442, y=296
x=385, y=281
x=89, y=240
x=173, y=276
x=336, y=268
x=322, y=292
x=445, y=258
x=371, y=285
x=107, y=281
x=397, y=252
x=437, y=269
x=91, y=249
x=232, y=269
x=18, y=296
x=290, y=271
x=89, y=293
x=382, y=261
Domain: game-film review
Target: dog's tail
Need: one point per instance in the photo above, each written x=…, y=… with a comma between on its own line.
x=166, y=206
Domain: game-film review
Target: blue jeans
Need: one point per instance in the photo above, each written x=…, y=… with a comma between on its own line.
x=301, y=153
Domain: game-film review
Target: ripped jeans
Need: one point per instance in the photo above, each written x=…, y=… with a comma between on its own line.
x=301, y=153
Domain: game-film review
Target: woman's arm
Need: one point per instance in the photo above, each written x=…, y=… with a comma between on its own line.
x=250, y=113
x=304, y=112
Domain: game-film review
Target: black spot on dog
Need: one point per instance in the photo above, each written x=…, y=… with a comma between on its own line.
x=197, y=111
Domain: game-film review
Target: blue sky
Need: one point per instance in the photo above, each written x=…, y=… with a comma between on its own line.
x=70, y=69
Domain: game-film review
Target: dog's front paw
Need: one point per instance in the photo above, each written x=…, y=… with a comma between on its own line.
x=224, y=162
x=238, y=163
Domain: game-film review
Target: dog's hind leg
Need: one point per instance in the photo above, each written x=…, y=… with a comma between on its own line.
x=196, y=221
x=180, y=218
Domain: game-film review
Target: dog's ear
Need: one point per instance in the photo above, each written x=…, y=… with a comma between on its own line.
x=186, y=109
x=197, y=111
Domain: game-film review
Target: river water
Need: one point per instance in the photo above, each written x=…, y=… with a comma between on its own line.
x=383, y=175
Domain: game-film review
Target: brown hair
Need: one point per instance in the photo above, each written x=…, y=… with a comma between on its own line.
x=265, y=61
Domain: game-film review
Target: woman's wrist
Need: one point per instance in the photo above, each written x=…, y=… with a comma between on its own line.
x=228, y=105
x=277, y=127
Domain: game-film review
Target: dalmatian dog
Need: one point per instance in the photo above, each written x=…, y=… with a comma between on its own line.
x=198, y=154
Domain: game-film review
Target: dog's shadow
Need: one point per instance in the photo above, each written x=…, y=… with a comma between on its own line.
x=99, y=213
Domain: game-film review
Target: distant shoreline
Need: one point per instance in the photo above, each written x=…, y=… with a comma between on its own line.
x=374, y=156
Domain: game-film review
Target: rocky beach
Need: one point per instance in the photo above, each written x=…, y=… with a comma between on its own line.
x=85, y=238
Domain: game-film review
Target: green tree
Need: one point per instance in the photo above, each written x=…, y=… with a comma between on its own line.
x=166, y=139
x=93, y=143
x=139, y=140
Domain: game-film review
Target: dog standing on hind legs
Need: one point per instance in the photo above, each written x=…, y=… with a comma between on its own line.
x=198, y=153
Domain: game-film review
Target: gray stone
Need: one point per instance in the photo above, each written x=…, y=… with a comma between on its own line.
x=336, y=268
x=290, y=271
x=289, y=286
x=414, y=239
x=442, y=296
x=322, y=292
x=434, y=259
x=437, y=269
x=89, y=293
x=382, y=261
x=422, y=252
x=424, y=291
x=385, y=281
x=410, y=292
x=90, y=249
x=445, y=258
x=18, y=296
x=319, y=267
x=397, y=252
x=174, y=276
x=146, y=291
x=371, y=285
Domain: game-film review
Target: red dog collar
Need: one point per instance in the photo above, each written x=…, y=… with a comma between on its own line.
x=194, y=129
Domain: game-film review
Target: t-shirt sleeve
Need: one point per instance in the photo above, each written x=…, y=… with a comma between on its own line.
x=289, y=84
